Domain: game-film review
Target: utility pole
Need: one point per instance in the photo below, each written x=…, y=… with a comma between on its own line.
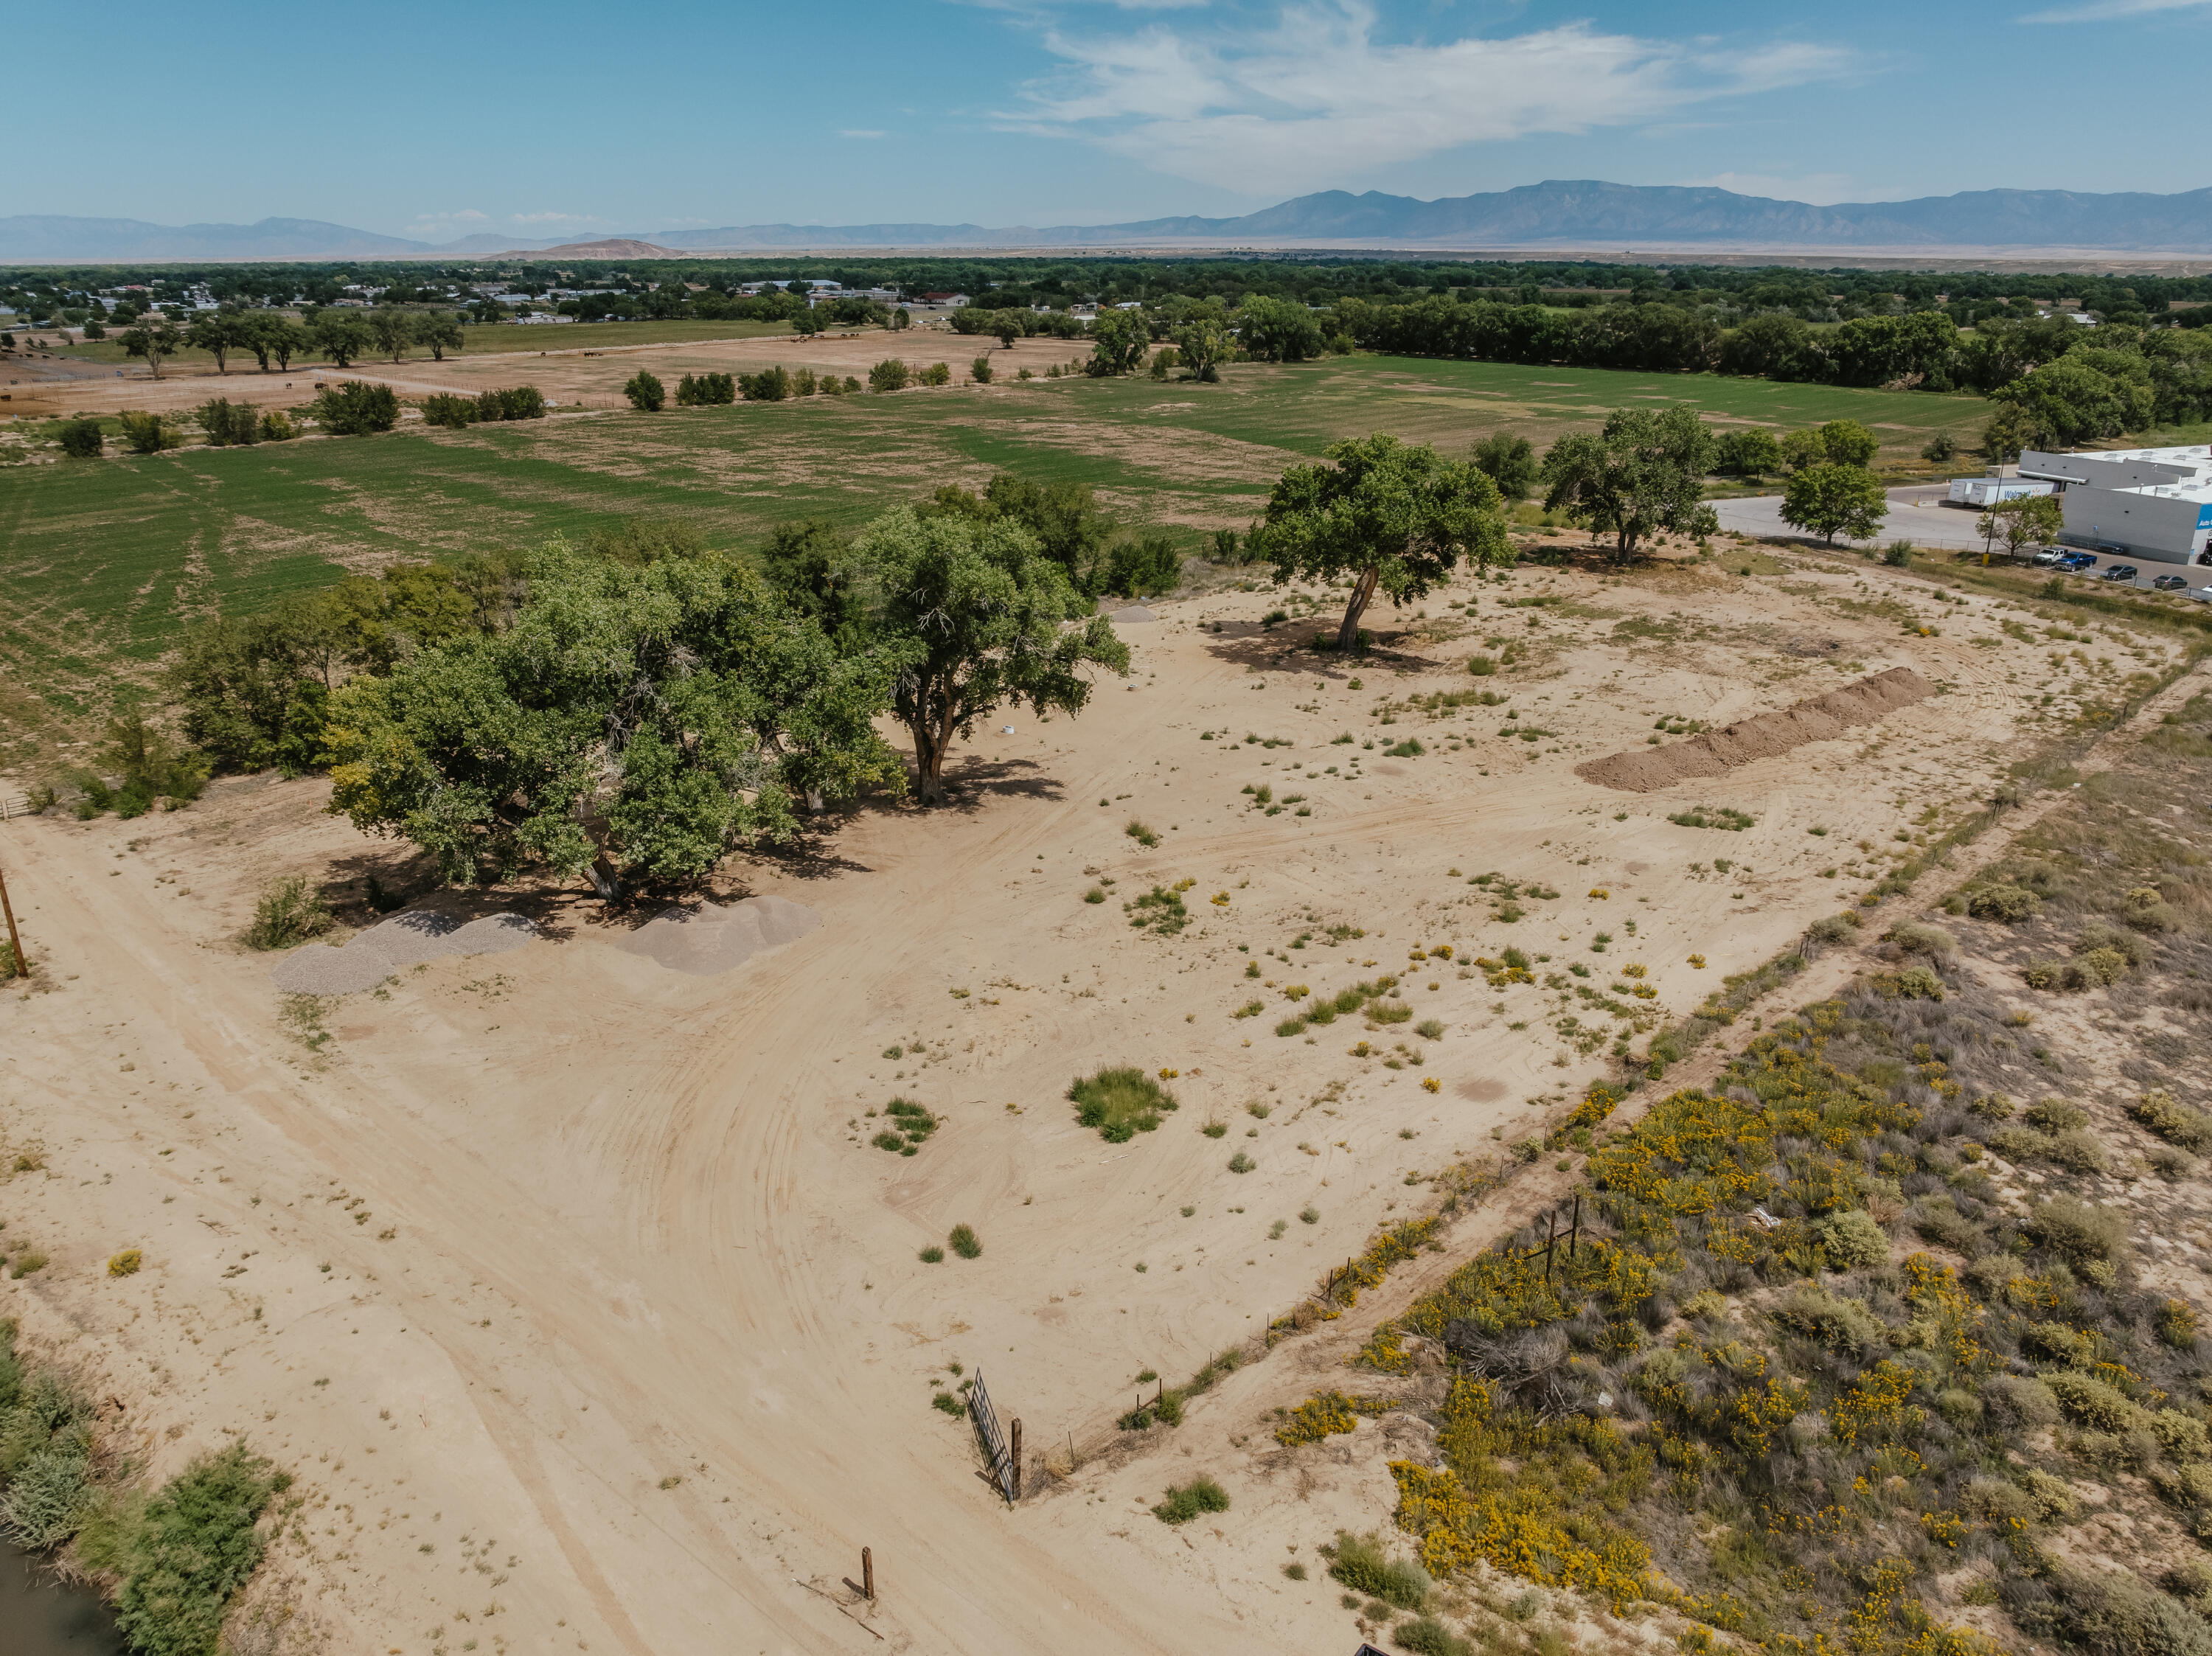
x=14, y=940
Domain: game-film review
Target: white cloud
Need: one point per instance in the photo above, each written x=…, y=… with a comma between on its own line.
x=556, y=218
x=468, y=216
x=1820, y=189
x=2103, y=11
x=1318, y=99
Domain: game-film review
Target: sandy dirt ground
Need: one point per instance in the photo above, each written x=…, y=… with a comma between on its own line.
x=574, y=1293
x=574, y=376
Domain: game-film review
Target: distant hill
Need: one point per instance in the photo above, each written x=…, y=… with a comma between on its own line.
x=1574, y=213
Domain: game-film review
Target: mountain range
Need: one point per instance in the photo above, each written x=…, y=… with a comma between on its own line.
x=1581, y=215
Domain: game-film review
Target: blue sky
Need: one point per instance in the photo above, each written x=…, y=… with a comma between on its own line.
x=560, y=118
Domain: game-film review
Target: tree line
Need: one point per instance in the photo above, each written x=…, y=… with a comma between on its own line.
x=338, y=335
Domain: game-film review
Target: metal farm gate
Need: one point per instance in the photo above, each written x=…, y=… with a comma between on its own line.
x=1004, y=1472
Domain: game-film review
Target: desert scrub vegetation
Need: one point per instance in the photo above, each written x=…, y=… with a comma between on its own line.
x=1754, y=1394
x=1185, y=1502
x=909, y=1128
x=1714, y=816
x=290, y=911
x=1121, y=1102
x=1364, y=995
x=170, y=1559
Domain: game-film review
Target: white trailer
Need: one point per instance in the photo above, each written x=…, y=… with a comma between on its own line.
x=1981, y=493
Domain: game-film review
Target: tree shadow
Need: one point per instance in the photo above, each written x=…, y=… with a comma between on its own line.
x=977, y=781
x=410, y=880
x=1289, y=649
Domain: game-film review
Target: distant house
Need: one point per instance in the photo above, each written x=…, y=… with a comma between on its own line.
x=949, y=301
x=544, y=317
x=1130, y=305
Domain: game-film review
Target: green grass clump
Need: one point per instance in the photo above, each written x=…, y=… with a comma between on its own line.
x=1143, y=836
x=1361, y=1564
x=1188, y=1501
x=1714, y=816
x=965, y=1243
x=1120, y=1103
x=932, y=1255
x=1159, y=911
x=1427, y=1636
x=910, y=1127
x=290, y=911
x=950, y=1404
x=2173, y=1121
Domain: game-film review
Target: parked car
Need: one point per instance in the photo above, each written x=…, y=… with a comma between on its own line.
x=2078, y=560
x=2049, y=555
x=2201, y=594
x=2122, y=572
x=2169, y=584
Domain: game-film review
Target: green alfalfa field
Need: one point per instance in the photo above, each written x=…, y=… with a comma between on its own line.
x=101, y=562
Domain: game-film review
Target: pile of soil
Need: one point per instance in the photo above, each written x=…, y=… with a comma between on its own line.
x=706, y=940
x=404, y=940
x=1643, y=770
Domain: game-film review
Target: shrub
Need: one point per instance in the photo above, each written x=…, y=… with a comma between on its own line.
x=1120, y=1102
x=1481, y=666
x=444, y=409
x=769, y=385
x=2077, y=1151
x=2019, y=1402
x=1142, y=834
x=2009, y=903
x=2055, y=1114
x=82, y=439
x=2115, y=1614
x=890, y=374
x=29, y=1261
x=524, y=402
x=1362, y=1565
x=932, y=1255
x=937, y=373
x=1898, y=553
x=227, y=423
x=2077, y=1229
x=278, y=427
x=965, y=1243
x=1916, y=939
x=950, y=1404
x=1840, y=1324
x=291, y=911
x=2173, y=1121
x=1427, y=1636
x=184, y=1552
x=125, y=1264
x=646, y=392
x=1852, y=1241
x=2091, y=1403
x=1430, y=1029
x=1144, y=567
x=356, y=407
x=1186, y=1501
x=981, y=370
x=1240, y=1162
x=2177, y=1323
x=147, y=434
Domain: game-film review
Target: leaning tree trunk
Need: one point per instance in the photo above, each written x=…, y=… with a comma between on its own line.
x=928, y=763
x=1363, y=594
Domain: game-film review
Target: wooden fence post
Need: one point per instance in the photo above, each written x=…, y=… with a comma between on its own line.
x=1574, y=1236
x=1017, y=1456
x=868, y=1575
x=15, y=942
x=1551, y=1221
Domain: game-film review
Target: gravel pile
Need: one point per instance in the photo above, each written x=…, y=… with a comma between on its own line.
x=402, y=941
x=707, y=940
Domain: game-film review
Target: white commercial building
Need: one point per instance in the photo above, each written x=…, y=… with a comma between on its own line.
x=2154, y=504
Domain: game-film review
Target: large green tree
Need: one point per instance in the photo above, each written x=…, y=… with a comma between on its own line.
x=1119, y=340
x=1509, y=462
x=1835, y=498
x=393, y=330
x=1389, y=516
x=341, y=336
x=635, y=722
x=215, y=332
x=156, y=340
x=973, y=617
x=1643, y=473
x=1279, y=330
x=1203, y=341
x=2025, y=521
x=439, y=329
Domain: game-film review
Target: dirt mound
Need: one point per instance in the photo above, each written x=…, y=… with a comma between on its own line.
x=1642, y=770
x=404, y=940
x=708, y=940
x=1132, y=616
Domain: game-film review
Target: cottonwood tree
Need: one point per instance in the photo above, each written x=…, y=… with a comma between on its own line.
x=393, y=328
x=1642, y=473
x=341, y=336
x=1393, y=517
x=216, y=333
x=1279, y=330
x=1203, y=342
x=1833, y=500
x=1508, y=462
x=971, y=618
x=1119, y=340
x=155, y=341
x=2028, y=520
x=637, y=723
x=440, y=330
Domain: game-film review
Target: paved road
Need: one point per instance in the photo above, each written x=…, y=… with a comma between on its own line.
x=1916, y=514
